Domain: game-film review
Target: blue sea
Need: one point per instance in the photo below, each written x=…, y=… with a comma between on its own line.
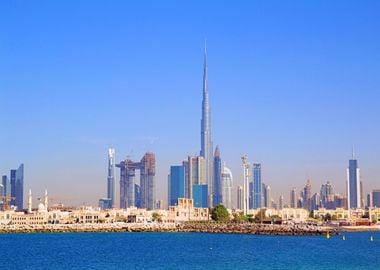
x=187, y=251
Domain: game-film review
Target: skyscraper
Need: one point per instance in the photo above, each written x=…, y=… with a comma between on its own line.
x=200, y=195
x=266, y=196
x=281, y=202
x=293, y=198
x=147, y=167
x=111, y=177
x=176, y=184
x=257, y=186
x=17, y=187
x=227, y=181
x=353, y=184
x=239, y=197
x=206, y=143
x=376, y=198
x=307, y=195
x=6, y=186
x=194, y=174
x=217, y=187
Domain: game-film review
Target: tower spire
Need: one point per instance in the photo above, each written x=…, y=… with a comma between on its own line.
x=353, y=152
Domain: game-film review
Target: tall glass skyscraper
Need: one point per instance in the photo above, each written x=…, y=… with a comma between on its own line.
x=257, y=186
x=353, y=184
x=217, y=187
x=17, y=187
x=206, y=143
x=176, y=184
x=111, y=177
x=200, y=195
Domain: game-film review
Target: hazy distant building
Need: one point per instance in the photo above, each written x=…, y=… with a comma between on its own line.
x=315, y=202
x=293, y=198
x=281, y=202
x=353, y=184
x=206, y=142
x=376, y=198
x=6, y=186
x=111, y=177
x=369, y=200
x=239, y=197
x=227, y=182
x=105, y=203
x=307, y=195
x=194, y=174
x=147, y=167
x=200, y=195
x=217, y=187
x=266, y=196
x=17, y=187
x=251, y=195
x=327, y=195
x=257, y=186
x=176, y=184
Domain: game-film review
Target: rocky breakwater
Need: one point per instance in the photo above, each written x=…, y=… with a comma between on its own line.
x=252, y=228
x=90, y=227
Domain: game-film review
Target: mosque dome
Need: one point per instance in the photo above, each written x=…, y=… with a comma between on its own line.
x=41, y=207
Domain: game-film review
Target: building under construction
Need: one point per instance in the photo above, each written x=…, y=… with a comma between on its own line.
x=147, y=167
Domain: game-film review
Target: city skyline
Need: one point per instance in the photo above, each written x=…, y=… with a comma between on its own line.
x=297, y=115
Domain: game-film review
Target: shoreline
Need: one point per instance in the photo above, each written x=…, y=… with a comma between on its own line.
x=230, y=228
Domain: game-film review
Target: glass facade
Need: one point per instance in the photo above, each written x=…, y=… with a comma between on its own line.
x=200, y=195
x=176, y=184
x=257, y=186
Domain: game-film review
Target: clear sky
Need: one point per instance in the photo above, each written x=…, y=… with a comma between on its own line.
x=293, y=84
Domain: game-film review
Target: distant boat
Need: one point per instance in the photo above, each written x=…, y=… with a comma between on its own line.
x=328, y=235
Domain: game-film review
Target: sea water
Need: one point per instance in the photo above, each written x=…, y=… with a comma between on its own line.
x=187, y=251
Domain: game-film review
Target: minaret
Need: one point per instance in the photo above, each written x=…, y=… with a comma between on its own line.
x=30, y=201
x=46, y=200
x=206, y=144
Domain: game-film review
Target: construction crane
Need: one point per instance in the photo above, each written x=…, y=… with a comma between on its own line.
x=6, y=199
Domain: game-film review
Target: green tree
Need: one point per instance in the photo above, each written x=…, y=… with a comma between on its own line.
x=220, y=213
x=240, y=217
x=156, y=217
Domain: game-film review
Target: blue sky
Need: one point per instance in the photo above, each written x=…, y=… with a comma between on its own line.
x=293, y=84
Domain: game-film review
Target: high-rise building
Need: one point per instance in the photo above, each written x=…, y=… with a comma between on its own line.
x=17, y=187
x=326, y=194
x=293, y=198
x=147, y=167
x=353, y=184
x=281, y=202
x=206, y=142
x=6, y=186
x=369, y=200
x=315, y=202
x=251, y=194
x=217, y=187
x=227, y=182
x=246, y=177
x=138, y=203
x=239, y=197
x=307, y=195
x=267, y=201
x=194, y=174
x=200, y=195
x=111, y=177
x=176, y=184
x=13, y=187
x=376, y=198
x=257, y=186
